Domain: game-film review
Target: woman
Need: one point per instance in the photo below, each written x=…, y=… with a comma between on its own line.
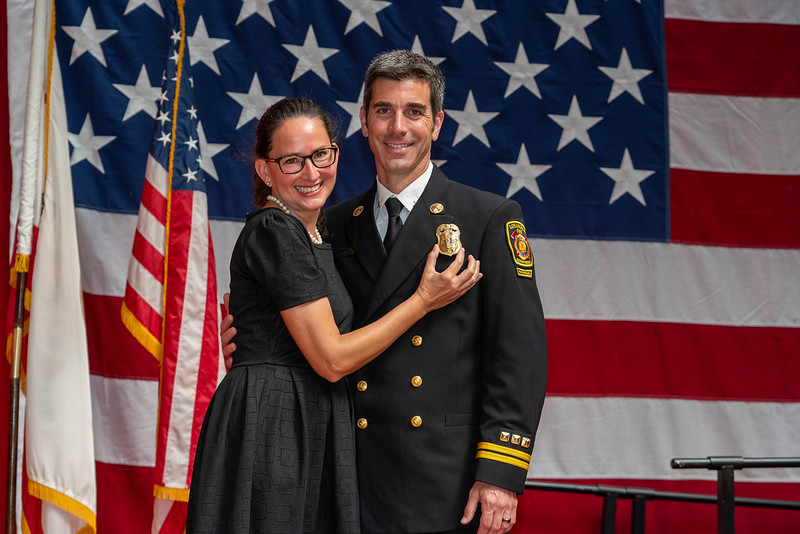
x=276, y=451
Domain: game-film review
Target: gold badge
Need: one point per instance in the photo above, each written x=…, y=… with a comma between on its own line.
x=358, y=211
x=436, y=208
x=447, y=235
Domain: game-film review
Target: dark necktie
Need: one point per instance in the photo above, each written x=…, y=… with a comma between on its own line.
x=394, y=207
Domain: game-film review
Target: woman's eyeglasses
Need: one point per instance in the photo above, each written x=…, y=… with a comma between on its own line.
x=294, y=163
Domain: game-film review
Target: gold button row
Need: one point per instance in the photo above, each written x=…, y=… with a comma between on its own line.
x=416, y=381
x=416, y=422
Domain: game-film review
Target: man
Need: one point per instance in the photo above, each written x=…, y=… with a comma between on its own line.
x=446, y=416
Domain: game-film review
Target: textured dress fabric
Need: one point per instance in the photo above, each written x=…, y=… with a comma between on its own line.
x=276, y=452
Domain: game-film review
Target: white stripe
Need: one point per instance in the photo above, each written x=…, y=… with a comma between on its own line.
x=734, y=134
x=156, y=175
x=601, y=280
x=630, y=281
x=105, y=241
x=224, y=235
x=161, y=510
x=612, y=437
x=146, y=285
x=181, y=419
x=579, y=437
x=125, y=413
x=152, y=230
x=765, y=11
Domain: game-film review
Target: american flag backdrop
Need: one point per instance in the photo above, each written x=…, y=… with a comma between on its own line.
x=652, y=145
x=171, y=303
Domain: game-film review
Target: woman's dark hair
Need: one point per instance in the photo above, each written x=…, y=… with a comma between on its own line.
x=270, y=121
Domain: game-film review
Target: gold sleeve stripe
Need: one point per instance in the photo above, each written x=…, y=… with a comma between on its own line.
x=504, y=450
x=503, y=459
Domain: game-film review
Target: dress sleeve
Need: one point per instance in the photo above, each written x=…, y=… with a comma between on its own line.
x=280, y=255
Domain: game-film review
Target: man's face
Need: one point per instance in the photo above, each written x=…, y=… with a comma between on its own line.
x=400, y=127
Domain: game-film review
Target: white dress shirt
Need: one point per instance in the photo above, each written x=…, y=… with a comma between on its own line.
x=408, y=198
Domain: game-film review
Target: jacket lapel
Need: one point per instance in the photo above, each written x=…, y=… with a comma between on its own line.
x=414, y=242
x=362, y=234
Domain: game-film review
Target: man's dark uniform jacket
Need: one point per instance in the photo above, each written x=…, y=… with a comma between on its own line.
x=458, y=397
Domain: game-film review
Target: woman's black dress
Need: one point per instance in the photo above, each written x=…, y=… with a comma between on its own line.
x=276, y=452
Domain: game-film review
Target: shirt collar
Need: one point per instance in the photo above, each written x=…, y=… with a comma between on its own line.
x=409, y=196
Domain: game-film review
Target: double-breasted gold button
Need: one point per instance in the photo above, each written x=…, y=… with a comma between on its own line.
x=361, y=385
x=416, y=421
x=362, y=423
x=416, y=341
x=416, y=381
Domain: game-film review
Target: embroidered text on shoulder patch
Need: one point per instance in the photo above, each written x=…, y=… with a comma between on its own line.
x=520, y=250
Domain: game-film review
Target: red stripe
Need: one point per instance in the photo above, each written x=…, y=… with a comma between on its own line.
x=31, y=506
x=155, y=202
x=113, y=351
x=150, y=258
x=733, y=58
x=548, y=512
x=735, y=209
x=621, y=358
x=144, y=313
x=178, y=252
x=179, y=235
x=175, y=522
x=124, y=498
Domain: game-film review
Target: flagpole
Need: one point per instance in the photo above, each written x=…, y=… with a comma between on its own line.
x=13, y=406
x=31, y=186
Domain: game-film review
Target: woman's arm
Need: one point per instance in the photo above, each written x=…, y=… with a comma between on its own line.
x=333, y=355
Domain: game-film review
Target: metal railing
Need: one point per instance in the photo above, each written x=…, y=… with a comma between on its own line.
x=725, y=499
x=725, y=467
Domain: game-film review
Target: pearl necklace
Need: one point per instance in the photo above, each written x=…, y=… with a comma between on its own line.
x=316, y=239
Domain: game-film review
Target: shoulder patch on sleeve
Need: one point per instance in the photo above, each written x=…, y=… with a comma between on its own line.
x=520, y=250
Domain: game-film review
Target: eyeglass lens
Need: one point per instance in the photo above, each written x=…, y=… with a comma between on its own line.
x=321, y=158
